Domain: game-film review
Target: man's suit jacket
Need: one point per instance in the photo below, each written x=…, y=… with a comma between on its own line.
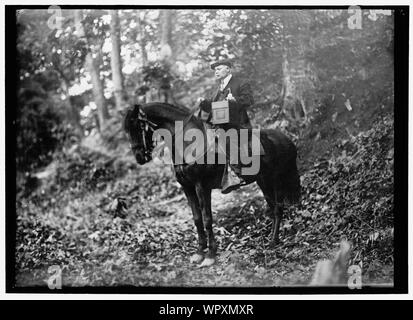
x=241, y=91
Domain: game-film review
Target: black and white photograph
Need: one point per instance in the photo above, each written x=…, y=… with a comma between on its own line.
x=206, y=149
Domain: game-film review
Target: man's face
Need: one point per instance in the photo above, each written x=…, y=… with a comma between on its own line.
x=222, y=71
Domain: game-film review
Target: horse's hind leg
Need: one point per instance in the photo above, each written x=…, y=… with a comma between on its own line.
x=268, y=192
x=275, y=210
x=197, y=214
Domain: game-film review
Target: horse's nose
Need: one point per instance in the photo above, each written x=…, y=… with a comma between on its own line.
x=140, y=158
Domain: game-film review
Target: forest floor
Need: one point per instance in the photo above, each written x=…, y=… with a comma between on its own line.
x=106, y=221
x=155, y=240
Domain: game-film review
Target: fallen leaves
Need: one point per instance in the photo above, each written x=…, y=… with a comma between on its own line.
x=135, y=226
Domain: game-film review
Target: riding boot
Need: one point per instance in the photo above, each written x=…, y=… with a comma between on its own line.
x=230, y=180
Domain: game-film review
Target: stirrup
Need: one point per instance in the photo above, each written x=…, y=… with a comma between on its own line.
x=231, y=181
x=230, y=188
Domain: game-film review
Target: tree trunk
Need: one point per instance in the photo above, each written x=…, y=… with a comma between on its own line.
x=98, y=95
x=164, y=92
x=166, y=36
x=71, y=109
x=297, y=74
x=93, y=69
x=116, y=62
x=293, y=86
x=142, y=38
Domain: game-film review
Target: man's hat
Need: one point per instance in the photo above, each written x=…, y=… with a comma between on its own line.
x=225, y=62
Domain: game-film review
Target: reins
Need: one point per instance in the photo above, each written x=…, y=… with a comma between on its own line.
x=147, y=127
x=150, y=126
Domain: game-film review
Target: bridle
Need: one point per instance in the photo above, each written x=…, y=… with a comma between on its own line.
x=146, y=129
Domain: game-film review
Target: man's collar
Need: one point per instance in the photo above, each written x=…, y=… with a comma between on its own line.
x=226, y=80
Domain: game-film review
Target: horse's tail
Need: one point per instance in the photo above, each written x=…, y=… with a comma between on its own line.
x=284, y=151
x=290, y=182
x=290, y=179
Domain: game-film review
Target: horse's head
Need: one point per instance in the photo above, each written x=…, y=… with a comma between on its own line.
x=139, y=130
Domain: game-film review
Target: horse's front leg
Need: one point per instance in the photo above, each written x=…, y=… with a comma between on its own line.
x=204, y=197
x=197, y=214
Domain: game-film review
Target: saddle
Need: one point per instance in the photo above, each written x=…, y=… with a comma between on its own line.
x=212, y=138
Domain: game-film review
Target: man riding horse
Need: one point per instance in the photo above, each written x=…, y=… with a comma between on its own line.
x=277, y=175
x=238, y=93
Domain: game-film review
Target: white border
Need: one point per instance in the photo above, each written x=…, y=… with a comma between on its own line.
x=11, y=296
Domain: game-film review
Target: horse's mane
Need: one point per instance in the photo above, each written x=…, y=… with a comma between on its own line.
x=165, y=107
x=158, y=110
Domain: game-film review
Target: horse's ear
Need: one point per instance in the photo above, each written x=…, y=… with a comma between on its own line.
x=127, y=118
x=133, y=112
x=136, y=108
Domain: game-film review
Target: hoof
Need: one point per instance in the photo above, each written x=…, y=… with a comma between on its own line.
x=196, y=258
x=207, y=262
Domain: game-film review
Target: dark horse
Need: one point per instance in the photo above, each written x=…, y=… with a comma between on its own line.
x=277, y=177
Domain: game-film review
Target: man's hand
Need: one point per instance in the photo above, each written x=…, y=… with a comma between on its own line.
x=230, y=97
x=204, y=115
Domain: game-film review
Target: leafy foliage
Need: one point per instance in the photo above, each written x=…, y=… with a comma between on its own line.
x=339, y=66
x=43, y=66
x=158, y=73
x=39, y=131
x=39, y=127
